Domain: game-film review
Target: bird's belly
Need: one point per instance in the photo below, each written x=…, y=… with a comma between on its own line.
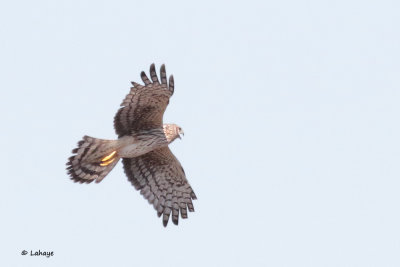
x=132, y=147
x=134, y=150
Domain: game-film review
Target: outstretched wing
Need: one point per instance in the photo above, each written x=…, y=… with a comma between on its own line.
x=144, y=106
x=161, y=180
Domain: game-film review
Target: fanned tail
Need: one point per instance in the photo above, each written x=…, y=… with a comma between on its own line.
x=93, y=159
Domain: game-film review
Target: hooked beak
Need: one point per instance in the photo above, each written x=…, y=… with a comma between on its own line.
x=181, y=133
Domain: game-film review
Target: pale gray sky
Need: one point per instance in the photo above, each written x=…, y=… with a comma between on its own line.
x=291, y=118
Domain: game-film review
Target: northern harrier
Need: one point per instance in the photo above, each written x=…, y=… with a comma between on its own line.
x=142, y=144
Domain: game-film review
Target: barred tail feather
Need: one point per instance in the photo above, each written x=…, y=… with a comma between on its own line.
x=93, y=159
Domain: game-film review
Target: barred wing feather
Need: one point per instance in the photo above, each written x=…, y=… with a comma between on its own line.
x=144, y=106
x=161, y=180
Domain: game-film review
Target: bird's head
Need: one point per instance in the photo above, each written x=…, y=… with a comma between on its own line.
x=172, y=131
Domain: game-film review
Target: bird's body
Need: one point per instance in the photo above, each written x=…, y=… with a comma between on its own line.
x=142, y=144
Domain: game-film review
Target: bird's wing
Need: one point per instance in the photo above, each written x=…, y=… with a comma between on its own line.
x=161, y=180
x=144, y=106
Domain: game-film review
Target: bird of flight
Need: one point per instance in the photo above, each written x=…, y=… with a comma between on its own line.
x=142, y=145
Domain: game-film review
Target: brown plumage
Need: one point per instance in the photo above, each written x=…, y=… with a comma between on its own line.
x=142, y=144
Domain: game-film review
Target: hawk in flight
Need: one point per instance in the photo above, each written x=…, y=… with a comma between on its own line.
x=142, y=145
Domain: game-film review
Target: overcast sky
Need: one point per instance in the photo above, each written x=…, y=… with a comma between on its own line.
x=291, y=118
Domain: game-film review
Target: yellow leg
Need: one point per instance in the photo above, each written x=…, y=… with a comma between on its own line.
x=109, y=156
x=105, y=163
